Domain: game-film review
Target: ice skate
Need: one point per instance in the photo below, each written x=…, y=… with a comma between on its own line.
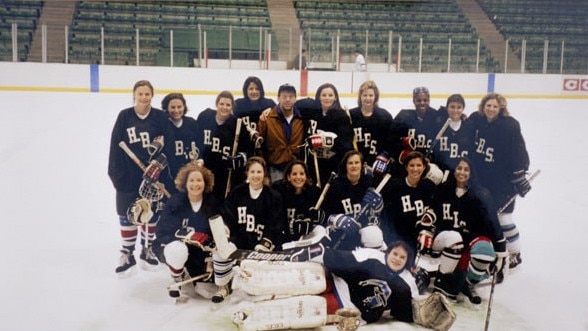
x=224, y=291
x=469, y=291
x=149, y=260
x=127, y=262
x=514, y=260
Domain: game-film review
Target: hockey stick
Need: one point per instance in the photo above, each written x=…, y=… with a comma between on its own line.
x=321, y=198
x=233, y=153
x=490, y=299
x=438, y=137
x=140, y=164
x=512, y=199
x=175, y=286
x=316, y=169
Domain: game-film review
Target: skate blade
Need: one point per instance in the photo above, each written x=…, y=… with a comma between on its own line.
x=127, y=273
x=149, y=267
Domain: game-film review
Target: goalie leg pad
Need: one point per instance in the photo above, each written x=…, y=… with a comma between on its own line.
x=176, y=254
x=299, y=312
x=280, y=278
x=434, y=312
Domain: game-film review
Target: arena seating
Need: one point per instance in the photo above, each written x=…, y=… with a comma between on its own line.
x=537, y=21
x=154, y=20
x=25, y=15
x=434, y=22
x=320, y=21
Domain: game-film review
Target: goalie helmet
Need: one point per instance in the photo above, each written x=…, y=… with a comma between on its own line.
x=149, y=190
x=139, y=212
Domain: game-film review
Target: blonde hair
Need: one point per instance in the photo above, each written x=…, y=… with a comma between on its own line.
x=501, y=102
x=370, y=84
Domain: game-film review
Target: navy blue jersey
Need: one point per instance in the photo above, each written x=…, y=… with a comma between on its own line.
x=137, y=133
x=296, y=205
x=215, y=143
x=178, y=214
x=472, y=215
x=336, y=121
x=499, y=152
x=185, y=141
x=344, y=197
x=371, y=132
x=453, y=145
x=373, y=287
x=249, y=220
x=406, y=205
x=423, y=130
x=250, y=111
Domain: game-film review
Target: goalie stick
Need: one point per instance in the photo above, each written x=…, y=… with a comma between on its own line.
x=512, y=199
x=233, y=153
x=140, y=164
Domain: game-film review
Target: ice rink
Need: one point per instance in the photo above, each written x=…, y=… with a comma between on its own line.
x=60, y=233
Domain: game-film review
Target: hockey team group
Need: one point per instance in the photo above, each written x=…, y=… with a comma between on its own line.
x=317, y=211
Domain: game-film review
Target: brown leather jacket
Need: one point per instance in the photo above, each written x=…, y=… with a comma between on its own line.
x=278, y=151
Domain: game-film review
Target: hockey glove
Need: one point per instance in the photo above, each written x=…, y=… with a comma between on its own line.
x=237, y=162
x=316, y=216
x=435, y=174
x=427, y=222
x=425, y=242
x=321, y=139
x=192, y=237
x=155, y=146
x=501, y=254
x=402, y=156
x=153, y=170
x=521, y=183
x=264, y=245
x=256, y=139
x=380, y=165
x=373, y=200
x=409, y=143
x=344, y=222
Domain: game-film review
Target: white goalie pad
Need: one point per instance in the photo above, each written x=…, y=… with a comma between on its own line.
x=221, y=238
x=280, y=278
x=299, y=312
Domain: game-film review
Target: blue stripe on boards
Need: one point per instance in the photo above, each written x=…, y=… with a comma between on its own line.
x=94, y=79
x=491, y=81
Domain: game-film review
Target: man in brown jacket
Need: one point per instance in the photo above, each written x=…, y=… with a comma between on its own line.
x=282, y=132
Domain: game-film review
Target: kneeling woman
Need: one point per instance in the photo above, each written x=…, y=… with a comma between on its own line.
x=468, y=234
x=183, y=228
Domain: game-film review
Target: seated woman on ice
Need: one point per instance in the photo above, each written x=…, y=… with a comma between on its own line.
x=369, y=280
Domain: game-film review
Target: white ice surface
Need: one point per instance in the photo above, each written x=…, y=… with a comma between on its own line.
x=60, y=234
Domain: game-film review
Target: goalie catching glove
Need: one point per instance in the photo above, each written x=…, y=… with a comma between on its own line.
x=192, y=237
x=434, y=312
x=139, y=212
x=155, y=167
x=322, y=139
